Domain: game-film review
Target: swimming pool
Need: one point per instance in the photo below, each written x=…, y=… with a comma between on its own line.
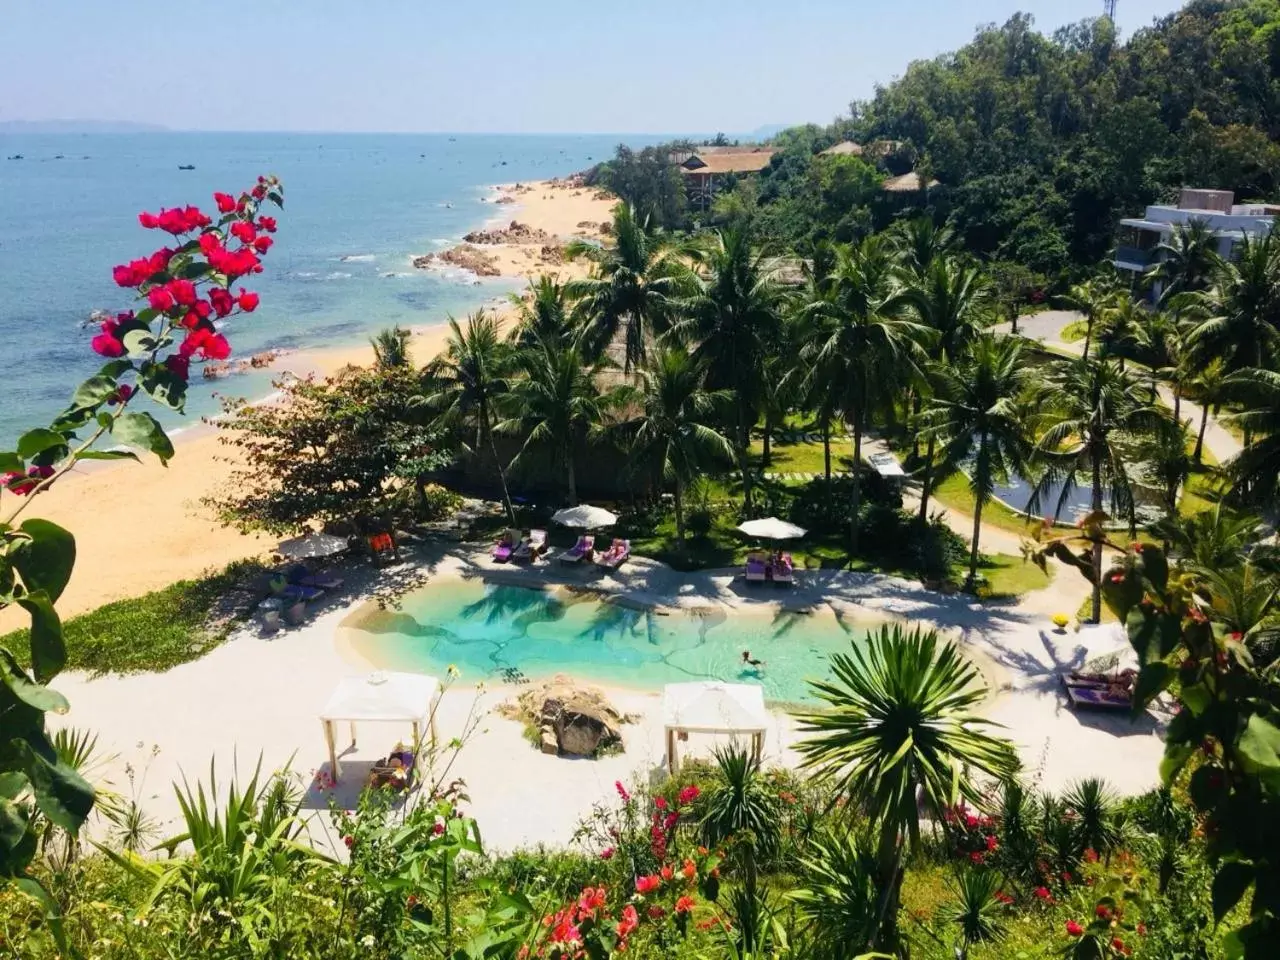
x=504, y=633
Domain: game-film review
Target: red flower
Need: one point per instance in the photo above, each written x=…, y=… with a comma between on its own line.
x=349, y=840
x=1117, y=578
x=262, y=244
x=123, y=393
x=690, y=869
x=221, y=301
x=259, y=192
x=1002, y=897
x=249, y=303
x=992, y=843
x=684, y=905
x=267, y=223
x=18, y=484
x=1042, y=893
x=689, y=794
x=1118, y=944
x=970, y=821
x=1142, y=929
x=1102, y=911
x=630, y=920
x=148, y=220
x=243, y=231
x=226, y=203
x=172, y=221
x=1074, y=928
x=667, y=873
x=656, y=912
x=660, y=802
x=211, y=244
x=160, y=299
x=178, y=365
x=607, y=853
x=107, y=345
x=647, y=884
x=1066, y=876
x=975, y=858
x=1091, y=855
x=592, y=899
x=670, y=820
x=437, y=828
x=184, y=292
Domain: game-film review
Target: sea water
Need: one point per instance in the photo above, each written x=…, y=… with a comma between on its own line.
x=509, y=634
x=357, y=208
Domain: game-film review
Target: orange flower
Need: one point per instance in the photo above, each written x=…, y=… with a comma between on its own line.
x=690, y=870
x=684, y=905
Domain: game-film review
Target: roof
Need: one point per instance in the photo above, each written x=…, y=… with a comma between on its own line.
x=710, y=706
x=749, y=161
x=382, y=696
x=846, y=148
x=907, y=183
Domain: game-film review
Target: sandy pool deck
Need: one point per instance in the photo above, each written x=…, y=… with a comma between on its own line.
x=259, y=697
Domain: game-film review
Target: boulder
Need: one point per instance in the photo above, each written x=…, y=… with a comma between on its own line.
x=572, y=719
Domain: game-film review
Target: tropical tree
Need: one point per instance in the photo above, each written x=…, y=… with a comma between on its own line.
x=675, y=427
x=543, y=316
x=636, y=279
x=1241, y=308
x=1208, y=387
x=920, y=243
x=733, y=320
x=1091, y=298
x=1255, y=471
x=1094, y=416
x=1213, y=539
x=466, y=382
x=391, y=348
x=1119, y=327
x=555, y=403
x=837, y=894
x=953, y=300
x=858, y=346
x=1246, y=601
x=1166, y=464
x=740, y=804
x=1187, y=260
x=898, y=734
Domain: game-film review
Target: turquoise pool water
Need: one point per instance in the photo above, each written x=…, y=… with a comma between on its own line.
x=503, y=633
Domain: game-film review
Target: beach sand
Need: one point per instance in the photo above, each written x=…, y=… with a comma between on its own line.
x=140, y=527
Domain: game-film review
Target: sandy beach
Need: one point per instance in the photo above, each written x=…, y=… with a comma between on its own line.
x=170, y=536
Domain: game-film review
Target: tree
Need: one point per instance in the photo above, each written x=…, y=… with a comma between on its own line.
x=976, y=414
x=1094, y=413
x=837, y=894
x=1120, y=327
x=733, y=321
x=391, y=348
x=1255, y=471
x=1092, y=298
x=555, y=404
x=543, y=316
x=674, y=429
x=336, y=450
x=1213, y=539
x=858, y=346
x=1208, y=386
x=898, y=734
x=920, y=243
x=647, y=181
x=635, y=281
x=1166, y=464
x=741, y=805
x=1188, y=260
x=465, y=382
x=1242, y=308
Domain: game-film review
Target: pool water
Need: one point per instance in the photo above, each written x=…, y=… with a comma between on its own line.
x=503, y=633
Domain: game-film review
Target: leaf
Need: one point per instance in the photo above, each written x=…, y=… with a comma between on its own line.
x=143, y=430
x=115, y=368
x=12, y=784
x=37, y=441
x=1229, y=885
x=14, y=824
x=94, y=391
x=194, y=269
x=62, y=795
x=1175, y=758
x=48, y=652
x=53, y=917
x=108, y=455
x=1259, y=746
x=27, y=690
x=46, y=560
x=11, y=463
x=139, y=343
x=164, y=386
x=1153, y=678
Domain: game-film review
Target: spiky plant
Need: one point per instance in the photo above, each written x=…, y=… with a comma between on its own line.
x=739, y=802
x=974, y=909
x=837, y=895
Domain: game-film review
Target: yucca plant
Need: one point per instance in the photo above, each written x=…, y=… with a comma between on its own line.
x=837, y=895
x=975, y=909
x=1094, y=824
x=740, y=803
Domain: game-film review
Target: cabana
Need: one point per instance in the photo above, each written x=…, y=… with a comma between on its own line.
x=380, y=697
x=710, y=706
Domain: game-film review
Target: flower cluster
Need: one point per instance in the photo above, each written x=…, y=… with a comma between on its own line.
x=665, y=818
x=973, y=835
x=1104, y=935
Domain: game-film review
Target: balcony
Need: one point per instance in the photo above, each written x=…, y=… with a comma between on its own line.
x=1134, y=255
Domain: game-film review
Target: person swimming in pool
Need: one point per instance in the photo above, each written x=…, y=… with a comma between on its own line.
x=750, y=661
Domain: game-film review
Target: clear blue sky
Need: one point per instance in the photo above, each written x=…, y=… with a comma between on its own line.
x=482, y=65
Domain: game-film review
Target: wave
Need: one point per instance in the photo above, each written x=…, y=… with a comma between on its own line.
x=357, y=258
x=336, y=275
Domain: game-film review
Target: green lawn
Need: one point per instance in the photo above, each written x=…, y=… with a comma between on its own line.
x=802, y=457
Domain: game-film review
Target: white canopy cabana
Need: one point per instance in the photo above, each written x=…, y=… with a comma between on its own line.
x=380, y=697
x=711, y=706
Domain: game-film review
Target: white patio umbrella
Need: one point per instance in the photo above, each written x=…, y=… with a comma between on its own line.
x=585, y=516
x=312, y=545
x=771, y=528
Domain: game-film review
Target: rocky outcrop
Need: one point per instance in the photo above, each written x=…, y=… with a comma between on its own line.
x=464, y=257
x=516, y=232
x=571, y=720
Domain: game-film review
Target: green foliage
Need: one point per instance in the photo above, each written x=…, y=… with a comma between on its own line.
x=739, y=804
x=646, y=180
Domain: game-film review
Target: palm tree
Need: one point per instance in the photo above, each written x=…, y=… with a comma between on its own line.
x=555, y=405
x=733, y=319
x=953, y=300
x=466, y=382
x=975, y=413
x=674, y=428
x=543, y=316
x=858, y=347
x=1120, y=327
x=1213, y=539
x=898, y=734
x=1094, y=826
x=976, y=909
x=1187, y=261
x=1166, y=463
x=1242, y=308
x=1094, y=414
x=1246, y=600
x=920, y=243
x=740, y=802
x=1208, y=387
x=1255, y=471
x=1091, y=298
x=635, y=281
x=391, y=348
x=837, y=895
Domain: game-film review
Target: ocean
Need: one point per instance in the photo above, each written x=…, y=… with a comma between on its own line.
x=357, y=208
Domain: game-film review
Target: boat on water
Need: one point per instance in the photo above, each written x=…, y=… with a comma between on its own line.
x=186, y=166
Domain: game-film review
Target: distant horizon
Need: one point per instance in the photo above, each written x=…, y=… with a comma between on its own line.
x=129, y=126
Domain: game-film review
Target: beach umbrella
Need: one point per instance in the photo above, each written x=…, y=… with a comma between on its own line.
x=311, y=546
x=585, y=516
x=771, y=528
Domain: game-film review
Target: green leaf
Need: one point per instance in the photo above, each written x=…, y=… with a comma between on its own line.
x=48, y=652
x=144, y=431
x=45, y=561
x=14, y=824
x=12, y=784
x=164, y=386
x=1154, y=678
x=38, y=441
x=27, y=690
x=94, y=391
x=11, y=463
x=194, y=269
x=1175, y=758
x=108, y=455
x=115, y=368
x=1229, y=885
x=139, y=343
x=62, y=795
x=1259, y=746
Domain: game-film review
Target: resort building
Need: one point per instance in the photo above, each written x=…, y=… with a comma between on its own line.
x=907, y=183
x=846, y=148
x=707, y=171
x=1139, y=238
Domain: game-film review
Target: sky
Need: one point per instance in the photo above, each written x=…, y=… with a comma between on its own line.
x=501, y=66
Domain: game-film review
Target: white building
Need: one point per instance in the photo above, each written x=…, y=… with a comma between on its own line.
x=1229, y=221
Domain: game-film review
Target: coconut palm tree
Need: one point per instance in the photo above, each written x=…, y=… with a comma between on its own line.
x=1245, y=600
x=953, y=300
x=976, y=414
x=674, y=428
x=391, y=348
x=635, y=280
x=1094, y=416
x=465, y=383
x=1208, y=387
x=1119, y=327
x=920, y=243
x=1255, y=471
x=555, y=404
x=1091, y=298
x=898, y=734
x=733, y=319
x=543, y=316
x=1213, y=539
x=1166, y=464
x=859, y=347
x=1187, y=260
x=1241, y=308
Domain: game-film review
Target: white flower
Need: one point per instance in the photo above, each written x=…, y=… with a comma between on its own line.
x=368, y=941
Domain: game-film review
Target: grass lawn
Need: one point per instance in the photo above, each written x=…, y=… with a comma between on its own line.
x=802, y=457
x=156, y=631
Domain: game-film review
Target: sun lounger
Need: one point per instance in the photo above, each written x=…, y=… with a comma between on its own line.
x=579, y=550
x=616, y=555
x=783, y=569
x=507, y=545
x=300, y=576
x=532, y=548
x=296, y=591
x=757, y=569
x=1097, y=698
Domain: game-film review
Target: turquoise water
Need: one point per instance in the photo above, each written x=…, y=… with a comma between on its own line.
x=357, y=207
x=505, y=633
